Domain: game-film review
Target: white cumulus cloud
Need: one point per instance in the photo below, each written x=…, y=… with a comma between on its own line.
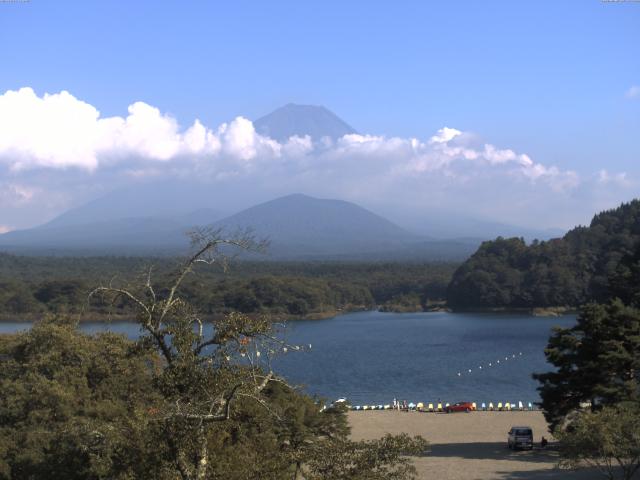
x=63, y=135
x=60, y=131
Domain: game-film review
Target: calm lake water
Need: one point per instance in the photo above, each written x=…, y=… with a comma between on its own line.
x=372, y=357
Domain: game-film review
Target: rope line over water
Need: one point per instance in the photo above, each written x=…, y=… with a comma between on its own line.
x=487, y=365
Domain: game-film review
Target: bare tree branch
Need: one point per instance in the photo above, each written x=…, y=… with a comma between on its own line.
x=202, y=388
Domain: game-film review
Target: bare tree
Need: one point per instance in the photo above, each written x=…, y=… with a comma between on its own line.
x=207, y=364
x=214, y=368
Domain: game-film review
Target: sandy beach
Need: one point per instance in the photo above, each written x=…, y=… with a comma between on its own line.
x=469, y=445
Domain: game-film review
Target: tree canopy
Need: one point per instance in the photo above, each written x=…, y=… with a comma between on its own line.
x=31, y=287
x=597, y=361
x=74, y=406
x=608, y=440
x=567, y=271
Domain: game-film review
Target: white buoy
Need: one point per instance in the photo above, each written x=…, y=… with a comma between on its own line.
x=469, y=370
x=489, y=363
x=459, y=374
x=480, y=367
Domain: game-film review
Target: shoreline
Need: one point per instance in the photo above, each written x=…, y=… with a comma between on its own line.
x=97, y=318
x=532, y=311
x=314, y=316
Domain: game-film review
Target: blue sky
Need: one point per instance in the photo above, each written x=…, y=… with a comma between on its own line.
x=547, y=78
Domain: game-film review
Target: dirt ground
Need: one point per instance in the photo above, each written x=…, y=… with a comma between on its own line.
x=470, y=445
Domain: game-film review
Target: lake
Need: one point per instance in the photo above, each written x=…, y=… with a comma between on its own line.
x=372, y=357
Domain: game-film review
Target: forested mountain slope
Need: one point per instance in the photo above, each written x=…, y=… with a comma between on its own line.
x=567, y=271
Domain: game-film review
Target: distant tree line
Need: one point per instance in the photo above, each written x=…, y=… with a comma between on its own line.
x=568, y=271
x=34, y=286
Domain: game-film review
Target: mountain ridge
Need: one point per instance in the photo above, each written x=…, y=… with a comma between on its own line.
x=299, y=222
x=299, y=227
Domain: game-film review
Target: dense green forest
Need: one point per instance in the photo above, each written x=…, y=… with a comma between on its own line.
x=569, y=271
x=591, y=398
x=33, y=286
x=180, y=402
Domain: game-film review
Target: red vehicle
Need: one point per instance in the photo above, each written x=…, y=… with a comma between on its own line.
x=460, y=407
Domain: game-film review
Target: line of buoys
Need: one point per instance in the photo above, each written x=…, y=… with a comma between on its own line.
x=490, y=364
x=245, y=351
